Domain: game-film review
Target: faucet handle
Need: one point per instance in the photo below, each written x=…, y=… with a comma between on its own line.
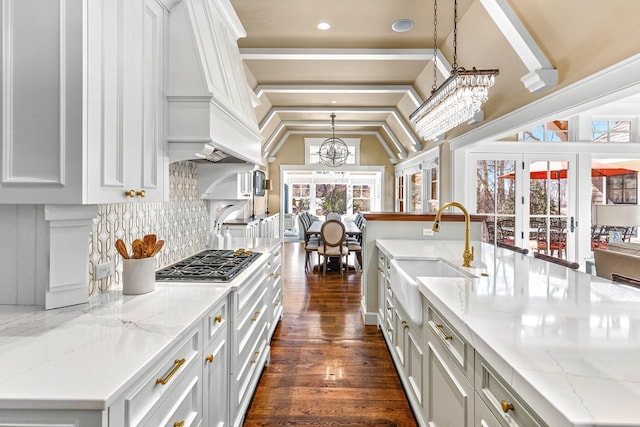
x=473, y=252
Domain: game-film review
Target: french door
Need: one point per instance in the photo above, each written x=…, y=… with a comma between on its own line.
x=529, y=199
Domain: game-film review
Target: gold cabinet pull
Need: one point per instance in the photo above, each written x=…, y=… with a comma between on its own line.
x=446, y=337
x=506, y=407
x=218, y=319
x=178, y=424
x=254, y=318
x=209, y=358
x=405, y=325
x=255, y=359
x=130, y=193
x=141, y=193
x=176, y=365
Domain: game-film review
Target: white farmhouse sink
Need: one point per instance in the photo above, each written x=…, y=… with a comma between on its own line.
x=405, y=285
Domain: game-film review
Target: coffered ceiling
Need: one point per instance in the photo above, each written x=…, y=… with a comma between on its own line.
x=373, y=78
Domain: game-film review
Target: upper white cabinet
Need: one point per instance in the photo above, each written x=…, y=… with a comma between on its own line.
x=83, y=101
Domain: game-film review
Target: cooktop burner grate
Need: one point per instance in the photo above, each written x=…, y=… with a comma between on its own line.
x=213, y=265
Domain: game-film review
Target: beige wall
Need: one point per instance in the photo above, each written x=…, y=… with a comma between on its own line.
x=371, y=154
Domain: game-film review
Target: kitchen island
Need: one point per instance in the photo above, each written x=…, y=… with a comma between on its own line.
x=561, y=346
x=123, y=359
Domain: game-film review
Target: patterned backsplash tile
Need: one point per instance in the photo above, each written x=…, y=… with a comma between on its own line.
x=182, y=223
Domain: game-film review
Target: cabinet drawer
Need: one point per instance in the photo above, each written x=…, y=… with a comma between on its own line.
x=276, y=300
x=215, y=320
x=162, y=378
x=502, y=400
x=483, y=416
x=276, y=260
x=454, y=345
x=249, y=362
x=248, y=323
x=247, y=293
x=182, y=407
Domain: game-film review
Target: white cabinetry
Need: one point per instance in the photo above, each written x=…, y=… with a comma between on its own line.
x=83, y=101
x=216, y=367
x=450, y=393
x=249, y=342
x=275, y=289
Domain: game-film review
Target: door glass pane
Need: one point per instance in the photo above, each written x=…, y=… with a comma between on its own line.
x=416, y=192
x=495, y=197
x=331, y=198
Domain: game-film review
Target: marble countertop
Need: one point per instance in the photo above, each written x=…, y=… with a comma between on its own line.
x=84, y=356
x=566, y=341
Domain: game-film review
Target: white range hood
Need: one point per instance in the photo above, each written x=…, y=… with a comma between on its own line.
x=209, y=99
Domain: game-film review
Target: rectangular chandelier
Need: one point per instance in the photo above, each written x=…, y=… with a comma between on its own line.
x=456, y=101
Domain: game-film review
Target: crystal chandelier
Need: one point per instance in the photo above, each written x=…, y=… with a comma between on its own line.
x=459, y=98
x=333, y=151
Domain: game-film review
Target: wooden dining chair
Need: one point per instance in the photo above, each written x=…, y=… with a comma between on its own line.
x=332, y=238
x=559, y=261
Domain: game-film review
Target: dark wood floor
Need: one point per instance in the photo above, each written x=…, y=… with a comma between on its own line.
x=327, y=367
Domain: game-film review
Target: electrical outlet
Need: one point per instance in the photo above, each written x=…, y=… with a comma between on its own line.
x=103, y=270
x=427, y=232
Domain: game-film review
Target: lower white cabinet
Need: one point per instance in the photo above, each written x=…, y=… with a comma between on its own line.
x=450, y=396
x=483, y=415
x=215, y=372
x=249, y=348
x=275, y=289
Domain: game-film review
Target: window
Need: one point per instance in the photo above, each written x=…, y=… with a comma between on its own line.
x=611, y=131
x=623, y=189
x=331, y=198
x=312, y=147
x=557, y=131
x=300, y=198
x=400, y=193
x=361, y=198
x=416, y=191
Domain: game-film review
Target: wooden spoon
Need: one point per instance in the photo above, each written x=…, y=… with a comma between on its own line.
x=157, y=248
x=122, y=249
x=149, y=244
x=138, y=248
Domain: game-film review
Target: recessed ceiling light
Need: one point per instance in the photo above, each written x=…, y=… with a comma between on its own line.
x=402, y=25
x=323, y=26
x=333, y=101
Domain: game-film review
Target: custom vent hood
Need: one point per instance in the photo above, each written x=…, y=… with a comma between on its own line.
x=210, y=104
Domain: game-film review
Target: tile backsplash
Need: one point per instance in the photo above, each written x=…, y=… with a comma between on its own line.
x=182, y=223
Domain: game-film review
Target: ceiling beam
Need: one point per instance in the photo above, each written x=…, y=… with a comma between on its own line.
x=285, y=124
x=416, y=145
x=271, y=157
x=337, y=89
x=296, y=54
x=542, y=75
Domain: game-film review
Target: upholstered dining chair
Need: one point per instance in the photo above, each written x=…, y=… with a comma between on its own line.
x=332, y=237
x=334, y=215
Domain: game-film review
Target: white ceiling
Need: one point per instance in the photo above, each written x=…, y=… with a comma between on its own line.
x=373, y=78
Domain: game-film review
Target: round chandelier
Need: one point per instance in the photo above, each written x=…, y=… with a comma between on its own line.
x=333, y=151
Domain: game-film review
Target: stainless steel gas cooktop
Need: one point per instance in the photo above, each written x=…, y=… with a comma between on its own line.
x=215, y=265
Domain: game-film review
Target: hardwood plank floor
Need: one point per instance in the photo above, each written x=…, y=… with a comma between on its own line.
x=327, y=367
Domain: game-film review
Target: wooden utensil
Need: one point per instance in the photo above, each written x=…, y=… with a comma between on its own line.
x=122, y=249
x=149, y=244
x=138, y=248
x=157, y=248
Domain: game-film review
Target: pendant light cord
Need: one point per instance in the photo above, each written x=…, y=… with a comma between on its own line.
x=455, y=35
x=434, y=86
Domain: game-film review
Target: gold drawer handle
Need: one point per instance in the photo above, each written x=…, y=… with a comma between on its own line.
x=506, y=407
x=179, y=424
x=254, y=318
x=405, y=324
x=446, y=337
x=218, y=319
x=209, y=358
x=257, y=353
x=277, y=303
x=176, y=365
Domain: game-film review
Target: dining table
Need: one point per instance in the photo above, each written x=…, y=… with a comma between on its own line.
x=350, y=227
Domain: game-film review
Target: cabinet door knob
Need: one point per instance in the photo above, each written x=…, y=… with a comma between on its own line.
x=506, y=407
x=141, y=193
x=178, y=424
x=209, y=358
x=218, y=319
x=130, y=193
